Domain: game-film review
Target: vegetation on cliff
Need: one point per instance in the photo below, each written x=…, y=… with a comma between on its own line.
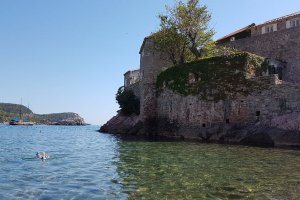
x=14, y=108
x=215, y=78
x=184, y=33
x=9, y=111
x=128, y=102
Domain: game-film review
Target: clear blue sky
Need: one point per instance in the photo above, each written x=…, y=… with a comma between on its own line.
x=70, y=55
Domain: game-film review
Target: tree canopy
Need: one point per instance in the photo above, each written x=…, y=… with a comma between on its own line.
x=128, y=102
x=184, y=32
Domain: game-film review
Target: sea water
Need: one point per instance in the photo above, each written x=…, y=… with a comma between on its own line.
x=85, y=164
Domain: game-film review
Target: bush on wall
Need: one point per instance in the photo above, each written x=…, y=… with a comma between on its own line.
x=128, y=102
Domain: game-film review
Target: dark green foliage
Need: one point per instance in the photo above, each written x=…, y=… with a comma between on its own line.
x=14, y=108
x=184, y=33
x=9, y=111
x=172, y=43
x=128, y=102
x=215, y=78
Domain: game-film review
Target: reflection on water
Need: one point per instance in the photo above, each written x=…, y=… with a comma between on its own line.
x=85, y=164
x=159, y=170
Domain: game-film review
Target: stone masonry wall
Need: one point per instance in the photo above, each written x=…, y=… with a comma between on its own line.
x=151, y=64
x=262, y=105
x=283, y=45
x=136, y=88
x=131, y=77
x=281, y=24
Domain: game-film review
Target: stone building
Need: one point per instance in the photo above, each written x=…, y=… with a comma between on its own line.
x=131, y=77
x=151, y=64
x=277, y=39
x=278, y=24
x=143, y=80
x=132, y=82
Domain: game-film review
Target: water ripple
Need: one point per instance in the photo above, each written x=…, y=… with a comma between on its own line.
x=85, y=164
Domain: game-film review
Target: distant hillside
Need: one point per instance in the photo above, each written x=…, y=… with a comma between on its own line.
x=60, y=118
x=9, y=111
x=14, y=108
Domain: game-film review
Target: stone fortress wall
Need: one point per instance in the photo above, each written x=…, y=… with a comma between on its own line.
x=151, y=65
x=131, y=77
x=282, y=97
x=132, y=82
x=279, y=99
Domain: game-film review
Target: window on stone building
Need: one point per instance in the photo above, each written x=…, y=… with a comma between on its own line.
x=272, y=69
x=203, y=125
x=293, y=23
x=257, y=113
x=269, y=28
x=227, y=121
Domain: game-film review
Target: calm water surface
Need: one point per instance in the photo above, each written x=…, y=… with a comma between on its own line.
x=85, y=164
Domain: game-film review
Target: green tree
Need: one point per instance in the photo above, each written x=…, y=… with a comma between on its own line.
x=128, y=102
x=185, y=30
x=175, y=45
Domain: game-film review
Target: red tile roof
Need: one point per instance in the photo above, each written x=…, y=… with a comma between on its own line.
x=236, y=32
x=280, y=18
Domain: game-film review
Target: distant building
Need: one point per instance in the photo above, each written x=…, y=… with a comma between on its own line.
x=131, y=77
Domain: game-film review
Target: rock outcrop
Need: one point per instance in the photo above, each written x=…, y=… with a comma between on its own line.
x=259, y=134
x=67, y=119
x=125, y=125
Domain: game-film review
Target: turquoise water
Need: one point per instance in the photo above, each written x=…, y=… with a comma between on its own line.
x=85, y=164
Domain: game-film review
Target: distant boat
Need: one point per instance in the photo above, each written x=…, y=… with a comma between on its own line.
x=18, y=121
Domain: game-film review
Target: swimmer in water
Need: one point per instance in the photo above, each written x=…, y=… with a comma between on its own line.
x=42, y=155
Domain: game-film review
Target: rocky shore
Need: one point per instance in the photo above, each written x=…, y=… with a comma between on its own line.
x=283, y=131
x=65, y=119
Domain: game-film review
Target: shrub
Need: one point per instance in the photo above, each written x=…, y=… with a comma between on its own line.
x=215, y=78
x=128, y=102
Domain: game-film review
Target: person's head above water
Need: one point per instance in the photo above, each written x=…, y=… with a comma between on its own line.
x=42, y=155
